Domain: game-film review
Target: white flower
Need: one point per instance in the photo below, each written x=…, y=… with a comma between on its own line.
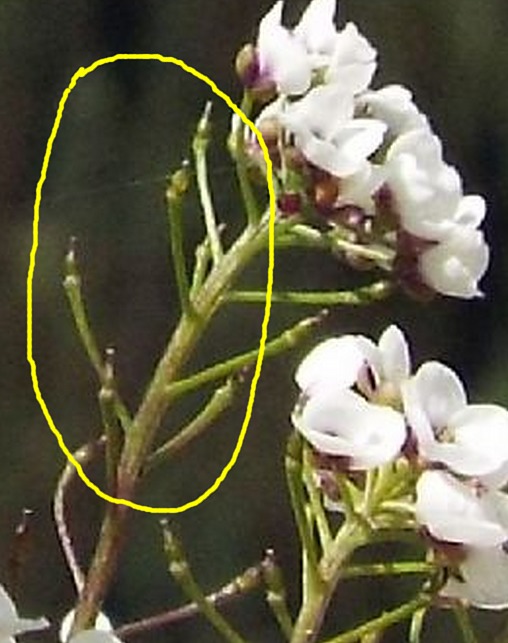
x=483, y=579
x=358, y=189
x=340, y=363
x=11, y=624
x=345, y=424
x=394, y=106
x=316, y=30
x=455, y=266
x=102, y=624
x=388, y=365
x=427, y=192
x=332, y=365
x=327, y=134
x=353, y=62
x=289, y=57
x=282, y=58
x=470, y=439
x=458, y=513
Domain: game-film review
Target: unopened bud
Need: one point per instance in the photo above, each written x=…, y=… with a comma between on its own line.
x=289, y=204
x=326, y=191
x=270, y=130
x=247, y=65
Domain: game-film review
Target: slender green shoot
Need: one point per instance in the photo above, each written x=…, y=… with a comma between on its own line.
x=276, y=593
x=387, y=619
x=358, y=297
x=389, y=569
x=285, y=341
x=201, y=265
x=464, y=623
x=200, y=146
x=181, y=572
x=416, y=626
x=221, y=399
x=73, y=289
x=113, y=432
x=315, y=501
x=175, y=192
x=293, y=462
x=241, y=163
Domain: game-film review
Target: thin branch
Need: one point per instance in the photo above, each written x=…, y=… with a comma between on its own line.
x=293, y=464
x=83, y=455
x=73, y=290
x=286, y=340
x=245, y=582
x=389, y=569
x=200, y=147
x=384, y=621
x=175, y=192
x=181, y=572
x=359, y=297
x=316, y=504
x=276, y=593
x=114, y=433
x=221, y=399
x=240, y=157
x=464, y=622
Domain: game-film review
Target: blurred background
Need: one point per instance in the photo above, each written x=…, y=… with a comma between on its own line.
x=124, y=128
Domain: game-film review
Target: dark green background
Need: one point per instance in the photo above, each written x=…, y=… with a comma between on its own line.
x=124, y=127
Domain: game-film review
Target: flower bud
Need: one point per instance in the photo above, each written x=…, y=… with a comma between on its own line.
x=246, y=65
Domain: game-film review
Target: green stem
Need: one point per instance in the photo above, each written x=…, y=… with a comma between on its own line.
x=388, y=569
x=384, y=621
x=219, y=402
x=180, y=570
x=464, y=623
x=309, y=237
x=286, y=340
x=178, y=185
x=179, y=349
x=293, y=462
x=104, y=562
x=276, y=593
x=140, y=436
x=316, y=504
x=240, y=157
x=201, y=264
x=416, y=627
x=358, y=297
x=245, y=582
x=316, y=601
x=200, y=147
x=73, y=289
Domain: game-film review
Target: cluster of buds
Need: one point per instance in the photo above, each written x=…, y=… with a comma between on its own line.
x=366, y=160
x=361, y=407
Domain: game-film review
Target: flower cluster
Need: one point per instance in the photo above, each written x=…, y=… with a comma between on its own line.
x=11, y=625
x=361, y=406
x=366, y=160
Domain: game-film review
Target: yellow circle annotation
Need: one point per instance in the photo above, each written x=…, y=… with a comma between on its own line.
x=81, y=73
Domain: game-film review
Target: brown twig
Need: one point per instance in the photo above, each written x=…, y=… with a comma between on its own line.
x=83, y=455
x=251, y=578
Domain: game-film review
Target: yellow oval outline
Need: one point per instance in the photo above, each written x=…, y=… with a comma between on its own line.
x=81, y=73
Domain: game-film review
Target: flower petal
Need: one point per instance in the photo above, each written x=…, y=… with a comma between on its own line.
x=454, y=512
x=484, y=573
x=395, y=355
x=282, y=58
x=316, y=28
x=334, y=364
x=347, y=425
x=455, y=266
